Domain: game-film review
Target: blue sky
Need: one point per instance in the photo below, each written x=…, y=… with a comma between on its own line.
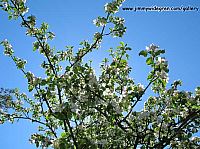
x=176, y=32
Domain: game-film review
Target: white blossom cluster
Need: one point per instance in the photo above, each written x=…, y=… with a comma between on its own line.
x=152, y=47
x=7, y=48
x=100, y=21
x=113, y=7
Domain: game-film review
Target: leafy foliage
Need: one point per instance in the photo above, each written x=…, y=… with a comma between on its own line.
x=76, y=109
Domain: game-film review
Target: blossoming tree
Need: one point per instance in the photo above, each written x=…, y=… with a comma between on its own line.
x=74, y=108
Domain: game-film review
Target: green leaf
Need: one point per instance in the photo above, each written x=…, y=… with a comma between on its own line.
x=43, y=82
x=122, y=44
x=149, y=61
x=9, y=17
x=162, y=51
x=63, y=134
x=166, y=70
x=30, y=88
x=44, y=26
x=196, y=107
x=123, y=61
x=159, y=52
x=143, y=53
x=37, y=144
x=35, y=46
x=189, y=135
x=128, y=48
x=60, y=115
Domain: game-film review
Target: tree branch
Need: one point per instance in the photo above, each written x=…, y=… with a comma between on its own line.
x=184, y=123
x=93, y=45
x=138, y=99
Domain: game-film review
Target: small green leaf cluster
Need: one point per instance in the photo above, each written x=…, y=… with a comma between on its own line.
x=15, y=8
x=7, y=48
x=113, y=6
x=159, y=67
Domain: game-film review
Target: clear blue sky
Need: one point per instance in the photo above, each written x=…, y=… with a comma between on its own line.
x=71, y=21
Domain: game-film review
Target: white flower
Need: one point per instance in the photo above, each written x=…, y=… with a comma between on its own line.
x=124, y=91
x=111, y=7
x=113, y=103
x=100, y=21
x=5, y=5
x=193, y=138
x=92, y=79
x=161, y=60
x=197, y=92
x=152, y=47
x=117, y=71
x=106, y=7
x=19, y=102
x=116, y=107
x=83, y=97
x=192, y=99
x=187, y=94
x=156, y=134
x=147, y=48
x=143, y=115
x=74, y=108
x=106, y=92
x=140, y=87
x=102, y=142
x=159, y=119
x=118, y=110
x=164, y=126
x=103, y=84
x=163, y=74
x=95, y=21
x=183, y=113
x=87, y=119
